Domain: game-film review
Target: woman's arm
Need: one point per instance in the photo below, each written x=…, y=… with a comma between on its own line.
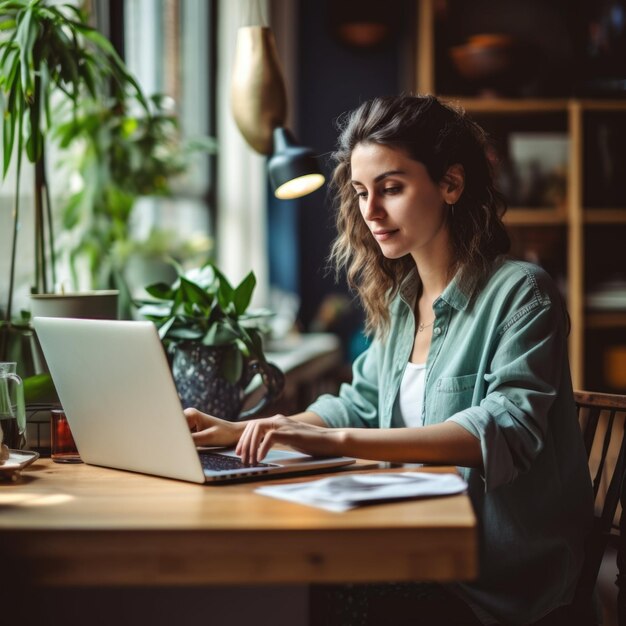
x=446, y=443
x=306, y=432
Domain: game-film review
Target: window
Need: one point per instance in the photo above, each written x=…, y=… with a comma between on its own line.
x=169, y=47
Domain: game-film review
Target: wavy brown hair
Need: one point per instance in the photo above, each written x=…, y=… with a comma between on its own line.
x=438, y=136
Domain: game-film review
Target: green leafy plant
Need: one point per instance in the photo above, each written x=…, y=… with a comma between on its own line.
x=47, y=50
x=119, y=153
x=202, y=306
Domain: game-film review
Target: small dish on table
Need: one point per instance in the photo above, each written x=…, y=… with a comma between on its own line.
x=11, y=467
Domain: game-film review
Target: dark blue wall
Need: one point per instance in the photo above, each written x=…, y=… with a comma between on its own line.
x=333, y=78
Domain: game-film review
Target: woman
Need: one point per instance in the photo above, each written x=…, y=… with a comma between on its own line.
x=468, y=365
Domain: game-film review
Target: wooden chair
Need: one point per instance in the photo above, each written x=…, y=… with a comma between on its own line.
x=602, y=418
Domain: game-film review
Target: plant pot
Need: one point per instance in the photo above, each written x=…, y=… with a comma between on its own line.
x=100, y=305
x=197, y=368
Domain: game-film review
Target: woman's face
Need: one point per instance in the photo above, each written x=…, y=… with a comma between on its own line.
x=403, y=208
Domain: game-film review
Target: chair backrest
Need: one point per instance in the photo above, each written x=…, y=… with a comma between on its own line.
x=602, y=417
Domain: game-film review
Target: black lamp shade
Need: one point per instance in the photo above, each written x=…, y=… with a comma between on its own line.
x=293, y=169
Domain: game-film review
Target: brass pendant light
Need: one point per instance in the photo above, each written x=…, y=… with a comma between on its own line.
x=258, y=100
x=258, y=95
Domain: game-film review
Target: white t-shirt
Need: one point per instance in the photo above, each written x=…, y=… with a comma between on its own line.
x=411, y=397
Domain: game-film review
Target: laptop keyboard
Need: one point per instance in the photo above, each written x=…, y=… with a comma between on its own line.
x=222, y=462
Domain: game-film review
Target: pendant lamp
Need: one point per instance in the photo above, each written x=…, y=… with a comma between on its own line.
x=293, y=169
x=258, y=97
x=259, y=107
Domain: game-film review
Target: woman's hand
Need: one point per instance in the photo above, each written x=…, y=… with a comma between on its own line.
x=260, y=435
x=207, y=430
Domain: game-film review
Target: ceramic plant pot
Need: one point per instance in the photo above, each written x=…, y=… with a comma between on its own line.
x=88, y=305
x=197, y=371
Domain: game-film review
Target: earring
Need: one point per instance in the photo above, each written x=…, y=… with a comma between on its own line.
x=451, y=211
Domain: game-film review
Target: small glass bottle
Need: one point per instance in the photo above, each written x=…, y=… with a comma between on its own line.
x=63, y=447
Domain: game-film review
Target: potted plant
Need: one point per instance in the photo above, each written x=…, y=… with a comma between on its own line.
x=47, y=51
x=214, y=341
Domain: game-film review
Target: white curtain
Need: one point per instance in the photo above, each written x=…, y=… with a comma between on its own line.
x=242, y=177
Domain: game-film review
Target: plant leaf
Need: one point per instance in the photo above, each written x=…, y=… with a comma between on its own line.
x=218, y=335
x=164, y=328
x=161, y=291
x=232, y=366
x=194, y=294
x=243, y=293
x=8, y=137
x=88, y=78
x=7, y=24
x=185, y=333
x=22, y=37
x=68, y=67
x=256, y=341
x=155, y=310
x=38, y=388
x=225, y=293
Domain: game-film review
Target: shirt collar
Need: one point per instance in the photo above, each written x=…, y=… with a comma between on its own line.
x=461, y=289
x=457, y=294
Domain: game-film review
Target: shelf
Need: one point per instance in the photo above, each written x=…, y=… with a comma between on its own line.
x=606, y=319
x=507, y=105
x=496, y=105
x=605, y=216
x=534, y=217
x=603, y=105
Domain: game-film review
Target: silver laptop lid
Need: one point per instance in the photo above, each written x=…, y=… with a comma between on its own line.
x=116, y=389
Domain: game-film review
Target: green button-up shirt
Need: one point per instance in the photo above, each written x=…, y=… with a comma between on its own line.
x=498, y=367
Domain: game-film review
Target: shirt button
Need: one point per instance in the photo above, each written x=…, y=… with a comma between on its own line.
x=437, y=330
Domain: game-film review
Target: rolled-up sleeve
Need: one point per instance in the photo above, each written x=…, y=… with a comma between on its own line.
x=356, y=405
x=521, y=382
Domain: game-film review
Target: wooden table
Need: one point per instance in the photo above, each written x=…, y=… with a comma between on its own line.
x=67, y=525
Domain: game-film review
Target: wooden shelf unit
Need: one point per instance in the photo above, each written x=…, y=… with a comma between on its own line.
x=531, y=217
x=575, y=216
x=605, y=216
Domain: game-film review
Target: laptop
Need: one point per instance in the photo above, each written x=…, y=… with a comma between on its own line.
x=120, y=400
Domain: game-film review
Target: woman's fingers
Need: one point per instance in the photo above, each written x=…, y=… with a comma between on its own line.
x=243, y=445
x=272, y=437
x=253, y=435
x=254, y=432
x=192, y=416
x=257, y=436
x=280, y=430
x=211, y=431
x=205, y=437
x=260, y=435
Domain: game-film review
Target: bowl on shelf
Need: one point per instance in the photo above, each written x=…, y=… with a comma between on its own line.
x=492, y=63
x=483, y=56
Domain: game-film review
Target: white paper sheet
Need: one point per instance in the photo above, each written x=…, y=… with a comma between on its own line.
x=345, y=492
